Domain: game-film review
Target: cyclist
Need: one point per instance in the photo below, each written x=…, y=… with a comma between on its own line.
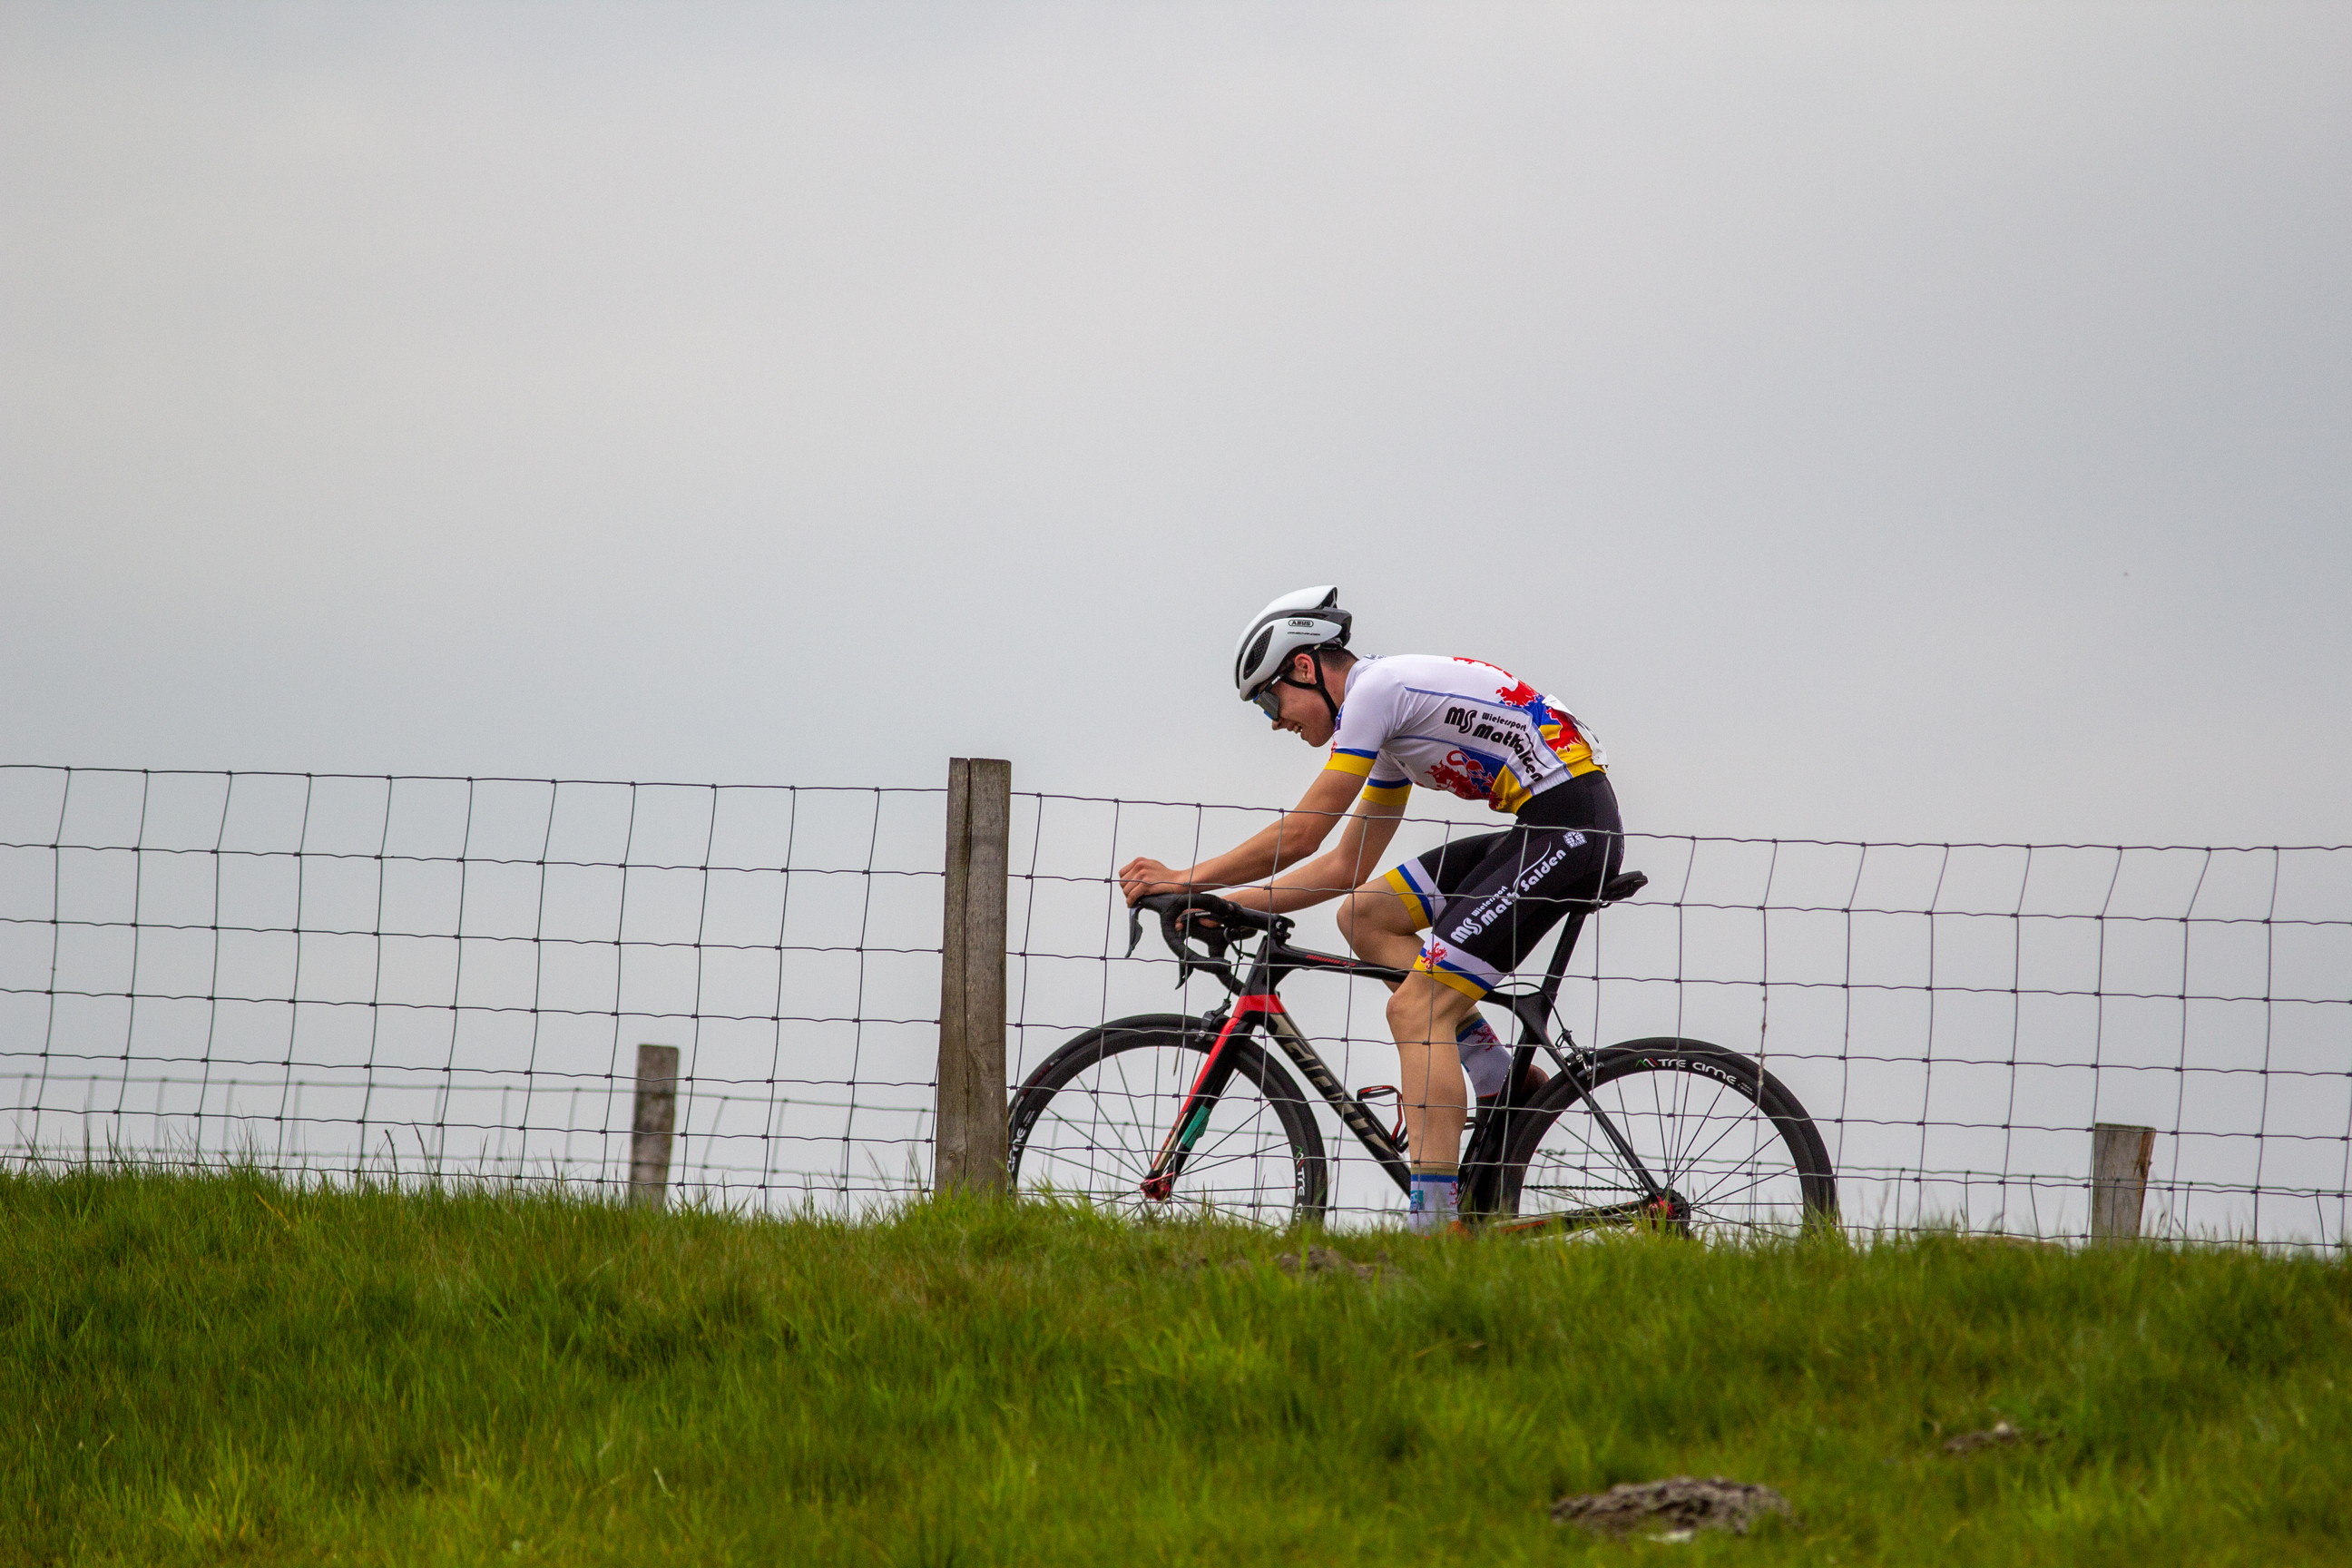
x=1460, y=725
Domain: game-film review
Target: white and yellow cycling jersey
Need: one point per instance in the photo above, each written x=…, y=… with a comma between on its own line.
x=1460, y=725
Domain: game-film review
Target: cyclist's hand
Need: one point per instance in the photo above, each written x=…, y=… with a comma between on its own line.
x=1143, y=877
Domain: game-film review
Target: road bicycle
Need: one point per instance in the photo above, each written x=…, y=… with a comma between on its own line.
x=1165, y=1113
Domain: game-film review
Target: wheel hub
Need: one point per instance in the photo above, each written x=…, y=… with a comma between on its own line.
x=1669, y=1211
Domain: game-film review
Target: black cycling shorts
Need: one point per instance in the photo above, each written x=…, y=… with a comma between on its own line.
x=1486, y=901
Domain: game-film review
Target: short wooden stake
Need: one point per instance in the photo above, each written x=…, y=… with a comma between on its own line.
x=971, y=1104
x=2119, y=1161
x=650, y=1128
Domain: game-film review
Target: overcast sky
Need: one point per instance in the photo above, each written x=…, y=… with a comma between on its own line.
x=1914, y=421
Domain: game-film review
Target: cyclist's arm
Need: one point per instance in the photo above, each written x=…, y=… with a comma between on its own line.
x=1289, y=839
x=1358, y=854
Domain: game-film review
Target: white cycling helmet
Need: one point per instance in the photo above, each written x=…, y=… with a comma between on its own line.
x=1297, y=622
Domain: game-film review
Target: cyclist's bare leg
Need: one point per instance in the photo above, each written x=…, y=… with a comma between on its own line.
x=1424, y=1016
x=1379, y=927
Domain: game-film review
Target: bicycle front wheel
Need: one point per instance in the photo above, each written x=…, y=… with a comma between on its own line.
x=1733, y=1151
x=1089, y=1121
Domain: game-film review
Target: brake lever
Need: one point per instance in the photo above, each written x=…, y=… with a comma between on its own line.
x=1209, y=934
x=1173, y=924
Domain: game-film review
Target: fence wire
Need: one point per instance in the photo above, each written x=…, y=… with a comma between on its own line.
x=395, y=977
x=421, y=978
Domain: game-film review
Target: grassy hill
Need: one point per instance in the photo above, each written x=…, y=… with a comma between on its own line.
x=224, y=1370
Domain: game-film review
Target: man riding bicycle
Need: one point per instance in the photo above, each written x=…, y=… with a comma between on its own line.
x=1459, y=725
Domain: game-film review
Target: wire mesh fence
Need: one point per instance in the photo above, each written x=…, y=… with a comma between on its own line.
x=432, y=977
x=440, y=976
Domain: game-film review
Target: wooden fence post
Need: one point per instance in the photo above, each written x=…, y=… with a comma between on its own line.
x=971, y=1105
x=2119, y=1161
x=651, y=1126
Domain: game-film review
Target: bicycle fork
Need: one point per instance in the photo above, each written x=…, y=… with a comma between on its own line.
x=1158, y=1184
x=1193, y=1117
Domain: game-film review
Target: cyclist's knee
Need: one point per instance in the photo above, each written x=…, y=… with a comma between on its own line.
x=1423, y=1008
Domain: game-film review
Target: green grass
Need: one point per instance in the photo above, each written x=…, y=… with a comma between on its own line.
x=224, y=1370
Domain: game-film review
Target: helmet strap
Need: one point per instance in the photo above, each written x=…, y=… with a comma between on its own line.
x=1319, y=688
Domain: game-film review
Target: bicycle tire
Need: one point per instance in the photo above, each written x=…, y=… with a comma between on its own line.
x=1260, y=1161
x=1730, y=1141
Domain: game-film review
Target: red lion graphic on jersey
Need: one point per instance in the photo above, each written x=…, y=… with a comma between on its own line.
x=1562, y=736
x=1464, y=774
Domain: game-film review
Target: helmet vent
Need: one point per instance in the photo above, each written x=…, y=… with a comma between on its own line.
x=1256, y=649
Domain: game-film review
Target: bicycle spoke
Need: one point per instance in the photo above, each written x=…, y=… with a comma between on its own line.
x=1736, y=1120
x=1733, y=1168
x=1102, y=1131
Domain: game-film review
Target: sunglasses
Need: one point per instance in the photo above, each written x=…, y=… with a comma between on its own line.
x=1269, y=701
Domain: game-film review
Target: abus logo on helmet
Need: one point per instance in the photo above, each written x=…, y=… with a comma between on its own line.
x=1301, y=623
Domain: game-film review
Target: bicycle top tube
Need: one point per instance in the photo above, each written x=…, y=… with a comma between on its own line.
x=1212, y=920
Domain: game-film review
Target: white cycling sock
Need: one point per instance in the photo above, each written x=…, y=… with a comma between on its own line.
x=1484, y=1056
x=1435, y=1200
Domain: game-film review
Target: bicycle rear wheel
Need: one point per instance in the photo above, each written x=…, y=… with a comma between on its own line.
x=1089, y=1121
x=1734, y=1149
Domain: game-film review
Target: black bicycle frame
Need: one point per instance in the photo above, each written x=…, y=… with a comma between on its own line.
x=1257, y=1002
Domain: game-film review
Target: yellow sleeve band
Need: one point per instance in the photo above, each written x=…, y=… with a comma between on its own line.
x=1350, y=763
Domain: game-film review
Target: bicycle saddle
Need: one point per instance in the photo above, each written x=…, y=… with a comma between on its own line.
x=1623, y=885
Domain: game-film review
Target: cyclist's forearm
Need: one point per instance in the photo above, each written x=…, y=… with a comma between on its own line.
x=1355, y=857
x=1319, y=880
x=1273, y=849
x=1302, y=887
x=1327, y=876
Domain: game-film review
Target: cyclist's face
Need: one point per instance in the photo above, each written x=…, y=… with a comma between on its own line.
x=1297, y=710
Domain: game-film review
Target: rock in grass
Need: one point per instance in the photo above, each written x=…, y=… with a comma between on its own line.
x=1673, y=1510
x=2000, y=1435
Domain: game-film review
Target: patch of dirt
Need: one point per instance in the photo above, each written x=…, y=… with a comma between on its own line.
x=1201, y=1260
x=1315, y=1260
x=2000, y=1435
x=1323, y=1261
x=1672, y=1509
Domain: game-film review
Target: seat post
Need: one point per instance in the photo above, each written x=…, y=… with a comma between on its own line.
x=1558, y=967
x=1623, y=885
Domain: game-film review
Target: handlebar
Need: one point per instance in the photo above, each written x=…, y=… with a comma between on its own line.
x=1185, y=917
